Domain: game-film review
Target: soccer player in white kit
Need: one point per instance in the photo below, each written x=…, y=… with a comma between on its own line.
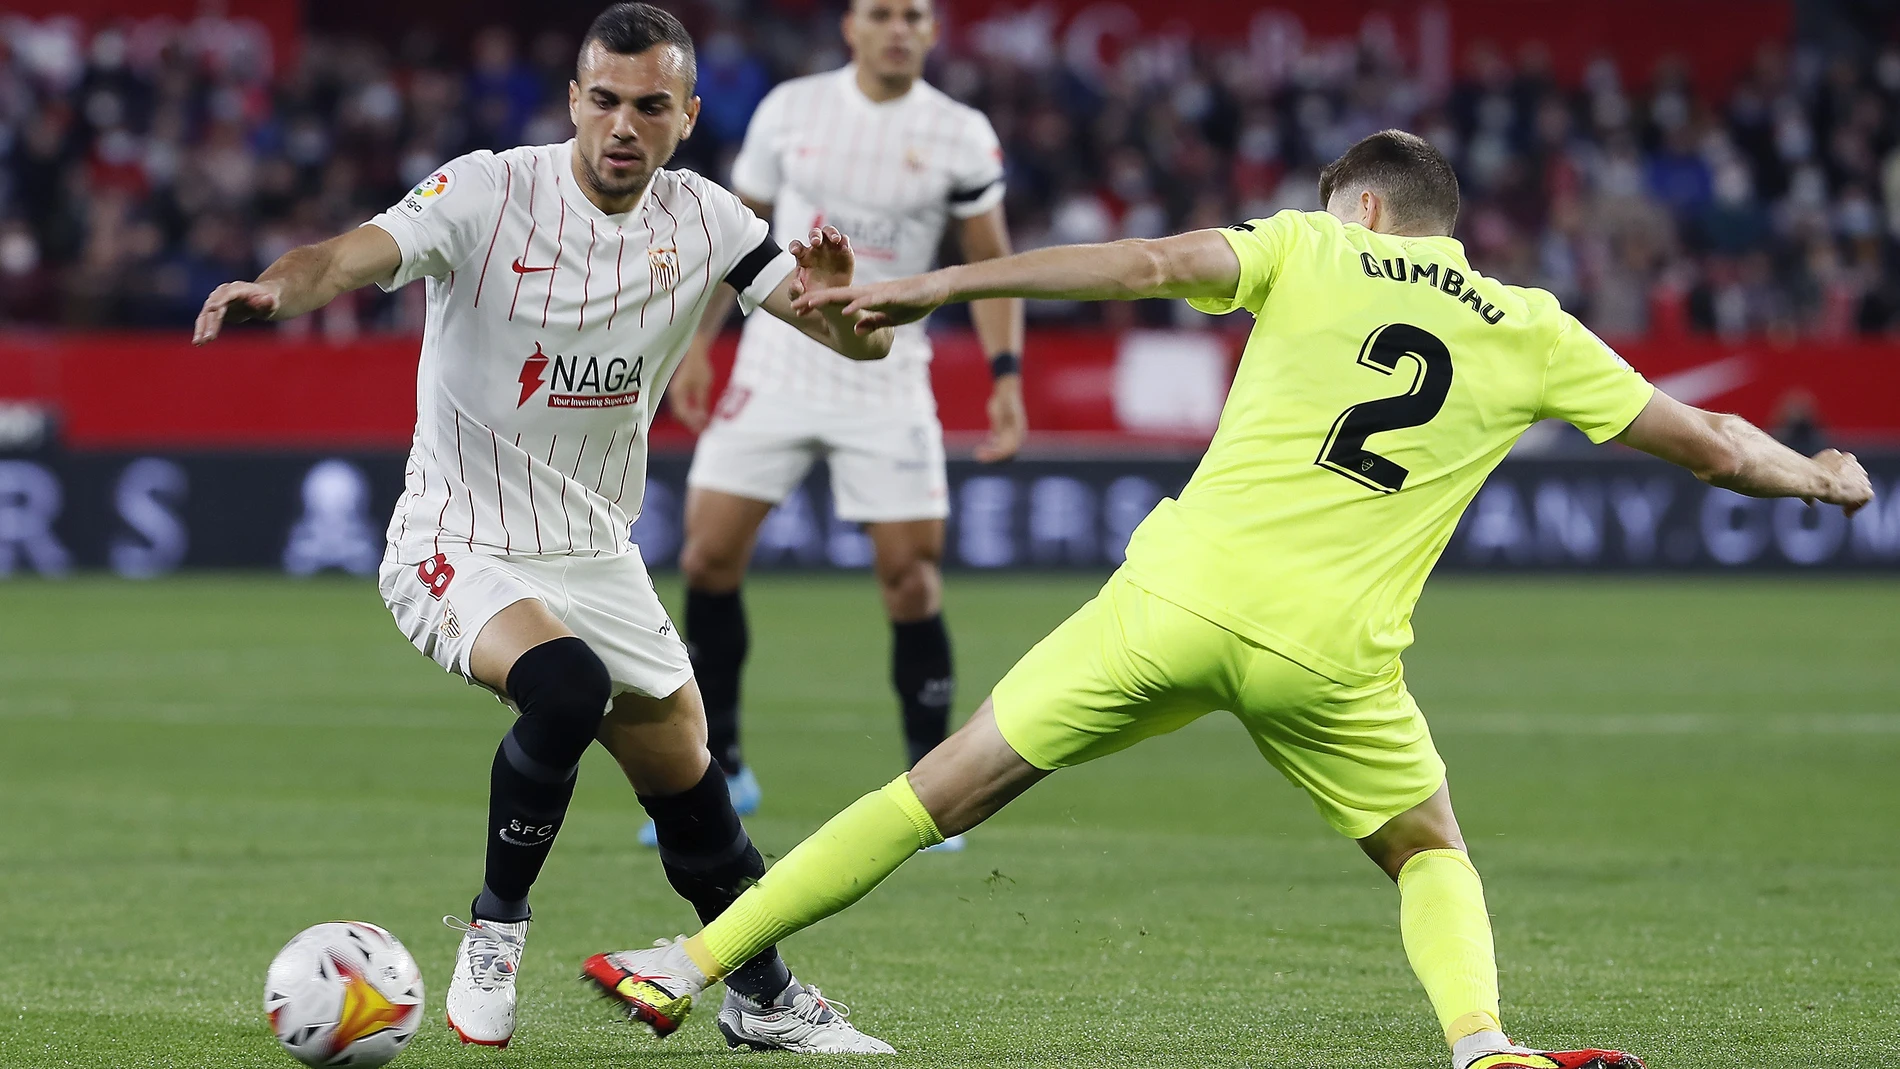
x=892, y=161
x=564, y=283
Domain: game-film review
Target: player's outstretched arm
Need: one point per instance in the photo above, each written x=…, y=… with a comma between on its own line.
x=1730, y=452
x=827, y=261
x=302, y=280
x=1196, y=264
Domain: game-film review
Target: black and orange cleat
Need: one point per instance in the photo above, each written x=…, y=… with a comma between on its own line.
x=654, y=986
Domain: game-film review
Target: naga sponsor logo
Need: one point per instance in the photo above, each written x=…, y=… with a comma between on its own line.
x=581, y=381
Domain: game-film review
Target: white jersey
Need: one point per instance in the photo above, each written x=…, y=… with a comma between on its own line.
x=890, y=176
x=546, y=346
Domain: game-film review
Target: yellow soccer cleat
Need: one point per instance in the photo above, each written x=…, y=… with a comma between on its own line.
x=1524, y=1058
x=656, y=986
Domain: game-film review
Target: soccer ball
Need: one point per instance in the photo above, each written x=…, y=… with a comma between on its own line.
x=344, y=993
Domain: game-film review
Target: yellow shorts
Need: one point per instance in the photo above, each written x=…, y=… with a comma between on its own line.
x=1130, y=665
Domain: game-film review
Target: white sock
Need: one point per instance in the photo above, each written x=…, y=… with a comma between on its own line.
x=1478, y=1044
x=681, y=964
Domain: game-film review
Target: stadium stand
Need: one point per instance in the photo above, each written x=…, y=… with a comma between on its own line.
x=143, y=162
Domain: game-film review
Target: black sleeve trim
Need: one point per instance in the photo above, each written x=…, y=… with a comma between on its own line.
x=746, y=271
x=965, y=196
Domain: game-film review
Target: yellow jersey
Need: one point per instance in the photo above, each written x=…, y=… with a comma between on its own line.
x=1383, y=381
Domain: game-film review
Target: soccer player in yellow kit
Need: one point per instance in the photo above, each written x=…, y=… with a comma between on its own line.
x=1383, y=381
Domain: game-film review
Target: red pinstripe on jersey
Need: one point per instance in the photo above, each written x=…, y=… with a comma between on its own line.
x=534, y=184
x=707, y=229
x=571, y=476
x=652, y=237
x=598, y=477
x=559, y=231
x=673, y=291
x=552, y=439
x=501, y=507
x=461, y=470
x=625, y=463
x=618, y=285
x=507, y=186
x=534, y=514
x=587, y=280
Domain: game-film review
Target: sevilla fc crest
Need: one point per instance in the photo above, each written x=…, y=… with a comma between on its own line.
x=663, y=262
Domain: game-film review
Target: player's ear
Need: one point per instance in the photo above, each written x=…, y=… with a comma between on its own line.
x=692, y=118
x=573, y=102
x=1370, y=210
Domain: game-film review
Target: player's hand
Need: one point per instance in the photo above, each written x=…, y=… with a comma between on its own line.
x=825, y=261
x=883, y=304
x=690, y=392
x=234, y=302
x=1009, y=422
x=1847, y=483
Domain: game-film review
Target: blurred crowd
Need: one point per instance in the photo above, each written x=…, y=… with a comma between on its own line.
x=140, y=165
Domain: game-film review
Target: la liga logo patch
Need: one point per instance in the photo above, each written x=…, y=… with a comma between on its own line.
x=417, y=200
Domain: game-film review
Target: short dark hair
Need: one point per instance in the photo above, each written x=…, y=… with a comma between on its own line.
x=630, y=29
x=1416, y=181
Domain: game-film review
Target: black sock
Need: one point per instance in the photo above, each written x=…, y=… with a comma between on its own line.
x=716, y=639
x=561, y=688
x=710, y=861
x=925, y=682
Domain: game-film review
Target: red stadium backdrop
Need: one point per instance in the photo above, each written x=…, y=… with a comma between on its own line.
x=1719, y=37
x=254, y=390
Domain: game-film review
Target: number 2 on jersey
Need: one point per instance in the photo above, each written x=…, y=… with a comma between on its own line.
x=1345, y=450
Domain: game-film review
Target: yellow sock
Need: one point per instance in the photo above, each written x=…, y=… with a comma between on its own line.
x=1448, y=940
x=838, y=865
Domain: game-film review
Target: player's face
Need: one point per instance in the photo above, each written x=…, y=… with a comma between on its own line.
x=630, y=113
x=890, y=38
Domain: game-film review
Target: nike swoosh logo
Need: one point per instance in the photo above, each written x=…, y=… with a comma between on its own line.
x=521, y=270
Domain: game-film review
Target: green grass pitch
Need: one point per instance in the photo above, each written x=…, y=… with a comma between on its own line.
x=1683, y=796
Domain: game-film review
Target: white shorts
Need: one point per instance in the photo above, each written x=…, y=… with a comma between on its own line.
x=609, y=602
x=886, y=465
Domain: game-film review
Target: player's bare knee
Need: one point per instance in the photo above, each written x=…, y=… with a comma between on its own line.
x=912, y=589
x=711, y=567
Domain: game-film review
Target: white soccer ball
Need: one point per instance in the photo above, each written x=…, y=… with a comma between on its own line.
x=344, y=993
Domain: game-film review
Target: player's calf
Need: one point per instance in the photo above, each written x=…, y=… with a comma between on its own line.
x=561, y=688
x=710, y=861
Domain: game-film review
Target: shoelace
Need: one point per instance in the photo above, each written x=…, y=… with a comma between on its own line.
x=492, y=956
x=812, y=1006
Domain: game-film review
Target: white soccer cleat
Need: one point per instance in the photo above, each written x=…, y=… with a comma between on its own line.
x=952, y=845
x=481, y=1001
x=655, y=986
x=806, y=1024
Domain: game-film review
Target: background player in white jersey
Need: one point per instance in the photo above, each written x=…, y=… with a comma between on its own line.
x=889, y=159
x=564, y=284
